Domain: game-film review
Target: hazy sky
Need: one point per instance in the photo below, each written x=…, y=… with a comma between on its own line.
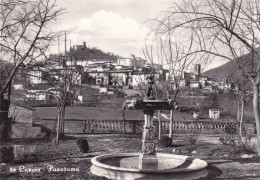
x=116, y=26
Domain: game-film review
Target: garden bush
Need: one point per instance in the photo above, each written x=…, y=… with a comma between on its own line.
x=228, y=140
x=243, y=145
x=231, y=129
x=239, y=144
x=165, y=141
x=192, y=138
x=83, y=145
x=6, y=154
x=26, y=153
x=193, y=135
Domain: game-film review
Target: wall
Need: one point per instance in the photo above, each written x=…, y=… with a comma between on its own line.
x=125, y=62
x=195, y=85
x=42, y=96
x=18, y=86
x=136, y=126
x=21, y=114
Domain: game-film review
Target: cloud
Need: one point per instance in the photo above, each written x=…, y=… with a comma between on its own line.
x=107, y=26
x=110, y=25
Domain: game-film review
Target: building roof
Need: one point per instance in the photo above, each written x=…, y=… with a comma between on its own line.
x=215, y=109
x=22, y=106
x=39, y=87
x=194, y=82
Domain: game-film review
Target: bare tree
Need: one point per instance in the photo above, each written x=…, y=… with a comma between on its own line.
x=242, y=91
x=24, y=37
x=62, y=79
x=220, y=30
x=165, y=50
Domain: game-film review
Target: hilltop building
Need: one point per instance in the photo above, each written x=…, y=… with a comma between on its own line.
x=197, y=69
x=131, y=61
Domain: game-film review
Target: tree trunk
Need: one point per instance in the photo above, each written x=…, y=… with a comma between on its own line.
x=63, y=120
x=257, y=115
x=5, y=125
x=60, y=120
x=61, y=123
x=238, y=111
x=160, y=125
x=57, y=138
x=124, y=121
x=241, y=117
x=238, y=118
x=171, y=124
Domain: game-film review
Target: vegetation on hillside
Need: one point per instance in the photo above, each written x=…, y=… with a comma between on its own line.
x=230, y=71
x=92, y=53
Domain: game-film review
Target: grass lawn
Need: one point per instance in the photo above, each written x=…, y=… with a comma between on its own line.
x=224, y=162
x=103, y=113
x=87, y=113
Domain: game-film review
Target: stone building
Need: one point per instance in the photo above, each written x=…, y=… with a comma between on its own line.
x=37, y=76
x=131, y=61
x=214, y=113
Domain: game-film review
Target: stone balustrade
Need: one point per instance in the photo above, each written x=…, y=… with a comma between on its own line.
x=136, y=126
x=201, y=126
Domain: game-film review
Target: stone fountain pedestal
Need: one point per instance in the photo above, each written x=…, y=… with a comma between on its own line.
x=148, y=164
x=147, y=158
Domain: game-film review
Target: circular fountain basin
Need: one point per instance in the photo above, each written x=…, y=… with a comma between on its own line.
x=125, y=166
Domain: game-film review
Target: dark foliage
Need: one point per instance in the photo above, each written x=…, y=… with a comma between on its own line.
x=27, y=158
x=230, y=70
x=231, y=129
x=239, y=145
x=165, y=141
x=6, y=154
x=83, y=145
x=188, y=110
x=91, y=53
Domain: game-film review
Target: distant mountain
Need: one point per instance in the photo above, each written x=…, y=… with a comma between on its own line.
x=231, y=70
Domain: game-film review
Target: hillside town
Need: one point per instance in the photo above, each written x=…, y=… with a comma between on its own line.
x=106, y=73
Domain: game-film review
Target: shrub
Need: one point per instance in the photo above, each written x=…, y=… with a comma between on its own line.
x=228, y=140
x=28, y=158
x=165, y=141
x=239, y=144
x=204, y=109
x=230, y=129
x=6, y=154
x=186, y=110
x=26, y=153
x=244, y=146
x=192, y=138
x=83, y=145
x=193, y=135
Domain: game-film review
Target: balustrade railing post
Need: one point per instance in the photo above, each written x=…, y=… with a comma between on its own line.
x=134, y=127
x=85, y=126
x=159, y=125
x=171, y=124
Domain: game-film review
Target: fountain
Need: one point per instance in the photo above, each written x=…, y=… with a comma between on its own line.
x=148, y=164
